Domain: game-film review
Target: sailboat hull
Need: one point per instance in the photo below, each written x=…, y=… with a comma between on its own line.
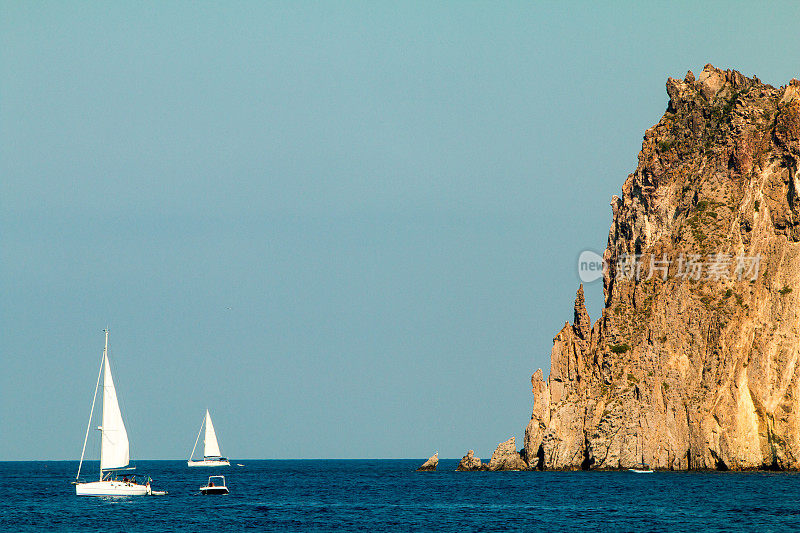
x=222, y=462
x=111, y=488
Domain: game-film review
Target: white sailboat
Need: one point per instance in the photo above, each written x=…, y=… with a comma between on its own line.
x=114, y=446
x=212, y=456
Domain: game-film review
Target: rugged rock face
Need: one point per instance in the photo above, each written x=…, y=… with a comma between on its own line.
x=694, y=361
x=431, y=464
x=469, y=462
x=506, y=457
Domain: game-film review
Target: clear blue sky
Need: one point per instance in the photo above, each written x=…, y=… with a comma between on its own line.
x=350, y=229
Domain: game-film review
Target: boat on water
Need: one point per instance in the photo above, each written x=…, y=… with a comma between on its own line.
x=212, y=455
x=641, y=468
x=215, y=485
x=114, y=445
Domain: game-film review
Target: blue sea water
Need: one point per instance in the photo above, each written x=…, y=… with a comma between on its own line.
x=388, y=495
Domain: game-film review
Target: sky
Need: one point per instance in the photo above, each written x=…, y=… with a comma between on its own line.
x=349, y=229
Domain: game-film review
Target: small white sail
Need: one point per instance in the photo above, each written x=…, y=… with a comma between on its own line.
x=114, y=451
x=211, y=446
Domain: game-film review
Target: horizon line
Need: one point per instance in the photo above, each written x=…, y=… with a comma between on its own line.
x=251, y=459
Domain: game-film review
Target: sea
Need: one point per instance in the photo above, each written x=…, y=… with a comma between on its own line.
x=388, y=495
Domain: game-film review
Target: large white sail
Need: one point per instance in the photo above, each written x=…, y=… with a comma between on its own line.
x=114, y=445
x=211, y=446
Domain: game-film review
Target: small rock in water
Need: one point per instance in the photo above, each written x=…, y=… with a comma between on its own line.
x=470, y=463
x=506, y=457
x=431, y=464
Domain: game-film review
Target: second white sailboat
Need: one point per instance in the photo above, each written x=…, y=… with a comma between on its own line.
x=212, y=455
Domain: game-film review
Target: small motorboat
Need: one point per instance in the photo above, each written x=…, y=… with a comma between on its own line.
x=216, y=485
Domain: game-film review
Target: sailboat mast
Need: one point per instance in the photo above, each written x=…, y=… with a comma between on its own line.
x=105, y=362
x=91, y=412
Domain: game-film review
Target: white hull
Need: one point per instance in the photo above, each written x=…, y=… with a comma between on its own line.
x=209, y=491
x=111, y=488
x=208, y=463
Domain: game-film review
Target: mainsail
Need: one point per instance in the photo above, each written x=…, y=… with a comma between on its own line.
x=211, y=448
x=114, y=444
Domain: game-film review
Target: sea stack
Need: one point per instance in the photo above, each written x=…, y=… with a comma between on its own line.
x=695, y=361
x=470, y=463
x=506, y=457
x=431, y=464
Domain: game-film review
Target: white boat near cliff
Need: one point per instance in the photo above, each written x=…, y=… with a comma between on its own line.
x=212, y=455
x=114, y=445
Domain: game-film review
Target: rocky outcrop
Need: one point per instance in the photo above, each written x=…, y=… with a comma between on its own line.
x=695, y=361
x=470, y=463
x=506, y=457
x=431, y=464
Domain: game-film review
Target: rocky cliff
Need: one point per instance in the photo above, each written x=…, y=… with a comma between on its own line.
x=694, y=361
